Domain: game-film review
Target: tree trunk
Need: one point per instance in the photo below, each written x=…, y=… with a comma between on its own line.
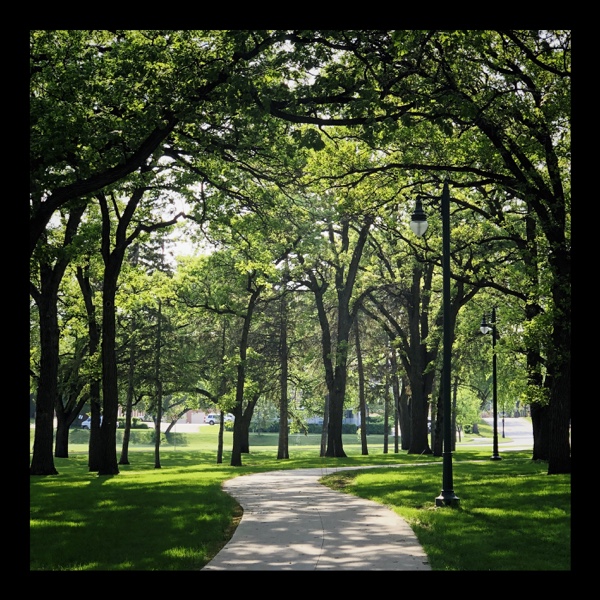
x=454, y=399
x=61, y=440
x=87, y=294
x=336, y=376
x=396, y=399
x=220, y=439
x=540, y=421
x=325, y=426
x=42, y=461
x=240, y=433
x=437, y=424
x=559, y=364
x=124, y=459
x=335, y=446
x=405, y=405
x=283, y=443
x=421, y=381
x=113, y=260
x=361, y=393
x=107, y=451
x=386, y=414
x=159, y=390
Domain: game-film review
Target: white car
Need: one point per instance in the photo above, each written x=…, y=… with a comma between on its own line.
x=213, y=418
x=87, y=424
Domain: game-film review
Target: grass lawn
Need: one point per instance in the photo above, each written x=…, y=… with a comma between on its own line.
x=512, y=515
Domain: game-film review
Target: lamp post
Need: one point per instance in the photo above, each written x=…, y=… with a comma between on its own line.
x=418, y=224
x=485, y=328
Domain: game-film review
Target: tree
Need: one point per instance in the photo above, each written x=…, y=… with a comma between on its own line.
x=87, y=134
x=504, y=125
x=335, y=345
x=113, y=254
x=361, y=391
x=283, y=444
x=403, y=109
x=46, y=296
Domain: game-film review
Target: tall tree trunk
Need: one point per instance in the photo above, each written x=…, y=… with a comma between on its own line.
x=42, y=462
x=87, y=293
x=396, y=397
x=404, y=406
x=386, y=412
x=420, y=380
x=159, y=389
x=107, y=452
x=124, y=459
x=246, y=420
x=68, y=413
x=336, y=373
x=220, y=438
x=559, y=364
x=222, y=388
x=454, y=400
x=361, y=392
x=335, y=446
x=240, y=424
x=437, y=426
x=325, y=427
x=46, y=299
x=71, y=399
x=540, y=421
x=283, y=445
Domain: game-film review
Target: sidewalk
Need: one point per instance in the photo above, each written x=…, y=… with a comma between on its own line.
x=293, y=523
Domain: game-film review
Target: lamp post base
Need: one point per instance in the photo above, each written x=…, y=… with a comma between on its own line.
x=495, y=457
x=447, y=499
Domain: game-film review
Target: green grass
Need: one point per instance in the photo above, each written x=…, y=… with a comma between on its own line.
x=512, y=516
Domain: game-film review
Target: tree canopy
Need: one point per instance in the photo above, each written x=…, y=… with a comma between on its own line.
x=295, y=157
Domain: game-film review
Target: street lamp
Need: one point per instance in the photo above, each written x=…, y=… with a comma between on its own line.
x=418, y=224
x=485, y=328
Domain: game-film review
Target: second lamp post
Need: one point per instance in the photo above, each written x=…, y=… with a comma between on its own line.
x=486, y=328
x=418, y=224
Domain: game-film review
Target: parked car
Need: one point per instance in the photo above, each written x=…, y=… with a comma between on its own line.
x=213, y=418
x=87, y=424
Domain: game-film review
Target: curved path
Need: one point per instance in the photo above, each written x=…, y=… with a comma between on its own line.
x=292, y=522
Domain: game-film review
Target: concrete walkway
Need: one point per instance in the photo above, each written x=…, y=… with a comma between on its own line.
x=291, y=522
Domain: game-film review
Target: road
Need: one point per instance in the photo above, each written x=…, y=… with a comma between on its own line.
x=516, y=429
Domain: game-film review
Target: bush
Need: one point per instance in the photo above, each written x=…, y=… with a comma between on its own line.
x=312, y=428
x=317, y=428
x=373, y=429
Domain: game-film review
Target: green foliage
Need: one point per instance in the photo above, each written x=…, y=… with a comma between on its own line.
x=269, y=174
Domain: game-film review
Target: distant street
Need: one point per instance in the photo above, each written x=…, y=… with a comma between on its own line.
x=518, y=429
